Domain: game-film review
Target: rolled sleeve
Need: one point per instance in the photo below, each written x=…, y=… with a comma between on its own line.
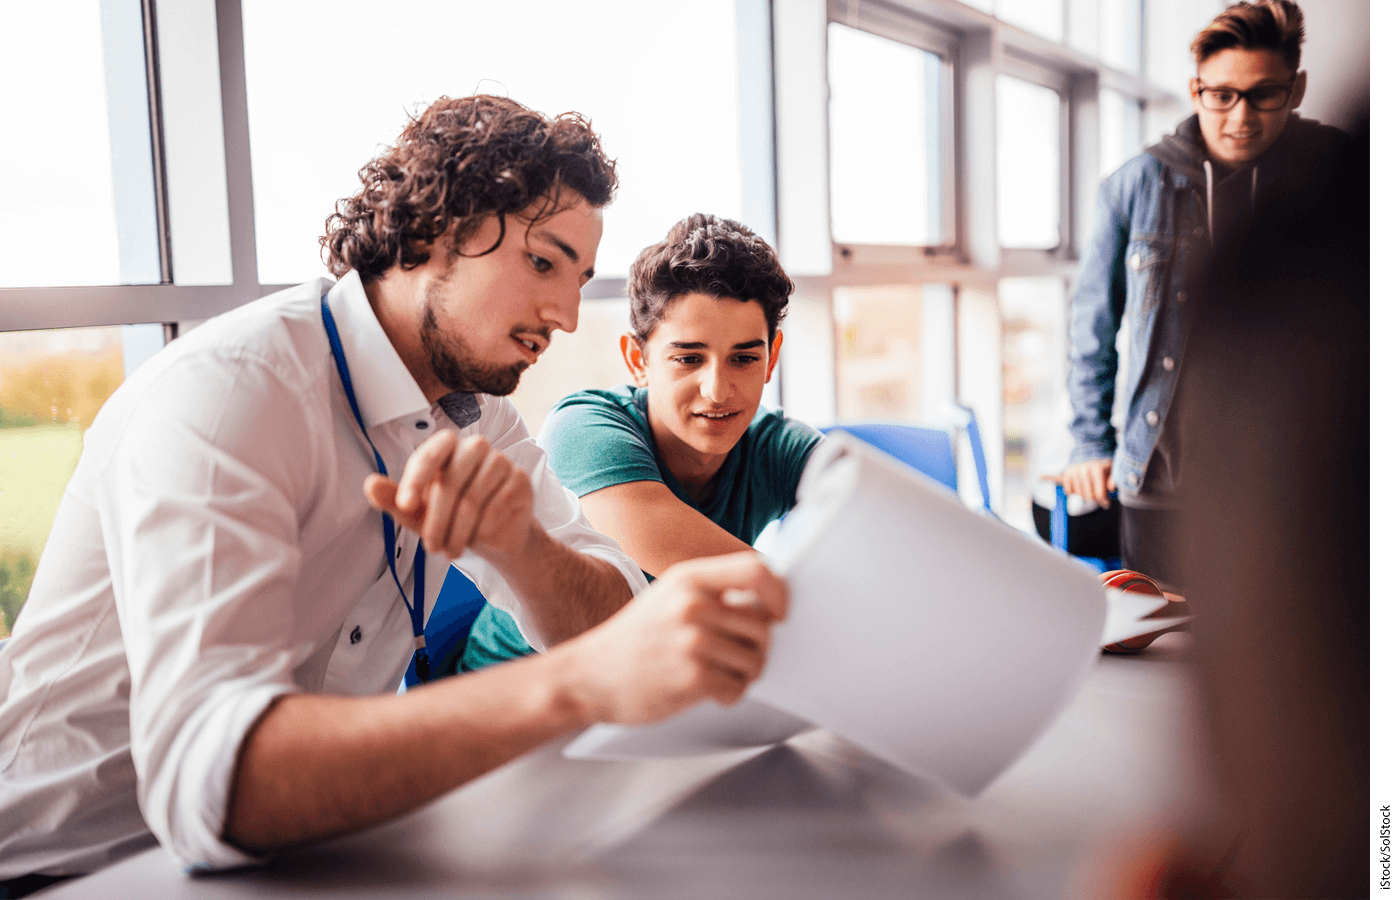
x=204, y=557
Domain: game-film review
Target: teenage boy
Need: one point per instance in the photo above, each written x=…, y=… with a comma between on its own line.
x=684, y=463
x=1159, y=216
x=210, y=649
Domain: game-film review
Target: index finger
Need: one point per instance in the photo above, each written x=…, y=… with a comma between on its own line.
x=738, y=579
x=422, y=469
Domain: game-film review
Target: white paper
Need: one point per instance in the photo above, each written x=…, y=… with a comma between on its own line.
x=937, y=637
x=934, y=636
x=706, y=728
x=1128, y=613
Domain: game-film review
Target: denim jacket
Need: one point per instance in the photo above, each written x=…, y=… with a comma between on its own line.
x=1149, y=239
x=1157, y=219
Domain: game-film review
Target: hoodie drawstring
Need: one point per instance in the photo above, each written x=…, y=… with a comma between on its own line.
x=1210, y=202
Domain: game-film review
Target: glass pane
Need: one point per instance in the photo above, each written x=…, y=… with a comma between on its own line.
x=1033, y=382
x=51, y=386
x=1084, y=26
x=333, y=81
x=1120, y=129
x=1120, y=34
x=588, y=358
x=885, y=120
x=877, y=353
x=75, y=170
x=1028, y=164
x=1043, y=17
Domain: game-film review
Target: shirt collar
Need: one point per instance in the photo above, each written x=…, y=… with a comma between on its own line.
x=384, y=388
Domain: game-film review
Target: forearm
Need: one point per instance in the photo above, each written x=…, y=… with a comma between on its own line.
x=654, y=527
x=561, y=591
x=316, y=766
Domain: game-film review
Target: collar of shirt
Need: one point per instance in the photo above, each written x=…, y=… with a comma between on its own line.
x=384, y=388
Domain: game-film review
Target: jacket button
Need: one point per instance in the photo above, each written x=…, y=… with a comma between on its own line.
x=1180, y=296
x=355, y=635
x=1199, y=231
x=1168, y=363
x=1153, y=418
x=420, y=425
x=1135, y=261
x=1133, y=478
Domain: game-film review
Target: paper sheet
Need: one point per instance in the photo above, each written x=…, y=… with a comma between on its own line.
x=932, y=635
x=1128, y=612
x=707, y=728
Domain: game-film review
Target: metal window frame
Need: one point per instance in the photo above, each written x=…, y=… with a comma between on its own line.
x=66, y=307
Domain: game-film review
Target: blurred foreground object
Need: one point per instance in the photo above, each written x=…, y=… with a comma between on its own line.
x=1276, y=470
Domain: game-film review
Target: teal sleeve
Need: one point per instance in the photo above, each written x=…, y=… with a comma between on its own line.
x=784, y=445
x=593, y=442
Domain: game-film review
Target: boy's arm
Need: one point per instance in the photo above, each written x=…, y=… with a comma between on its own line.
x=654, y=526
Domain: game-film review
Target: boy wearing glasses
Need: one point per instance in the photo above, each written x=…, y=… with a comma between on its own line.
x=1159, y=217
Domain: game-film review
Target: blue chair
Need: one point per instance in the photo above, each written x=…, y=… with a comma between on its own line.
x=458, y=604
x=930, y=450
x=1059, y=536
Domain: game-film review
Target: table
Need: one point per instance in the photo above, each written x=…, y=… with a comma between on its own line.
x=814, y=818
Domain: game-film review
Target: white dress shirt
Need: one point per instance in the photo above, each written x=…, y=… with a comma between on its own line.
x=213, y=551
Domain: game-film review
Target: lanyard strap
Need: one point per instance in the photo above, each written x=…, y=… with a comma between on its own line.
x=415, y=609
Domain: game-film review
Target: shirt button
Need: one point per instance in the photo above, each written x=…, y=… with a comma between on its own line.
x=1168, y=363
x=355, y=635
x=1135, y=261
x=1180, y=296
x=1153, y=418
x=420, y=425
x=1199, y=231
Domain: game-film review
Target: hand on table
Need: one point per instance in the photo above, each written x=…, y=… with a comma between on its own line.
x=1091, y=479
x=458, y=492
x=700, y=631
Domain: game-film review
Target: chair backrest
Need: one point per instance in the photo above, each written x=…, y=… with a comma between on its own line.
x=930, y=450
x=458, y=604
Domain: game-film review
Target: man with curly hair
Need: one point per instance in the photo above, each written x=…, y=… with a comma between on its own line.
x=683, y=463
x=209, y=653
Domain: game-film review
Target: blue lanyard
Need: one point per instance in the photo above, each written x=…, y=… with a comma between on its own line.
x=415, y=609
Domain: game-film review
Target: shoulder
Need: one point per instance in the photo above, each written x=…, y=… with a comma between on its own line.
x=621, y=407
x=1141, y=173
x=773, y=434
x=596, y=439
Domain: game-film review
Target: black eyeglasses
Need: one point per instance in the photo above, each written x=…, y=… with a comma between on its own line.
x=1264, y=98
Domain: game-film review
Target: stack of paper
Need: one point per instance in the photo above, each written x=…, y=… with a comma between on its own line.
x=934, y=636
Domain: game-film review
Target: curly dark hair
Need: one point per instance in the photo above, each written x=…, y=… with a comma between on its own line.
x=704, y=254
x=1275, y=25
x=457, y=164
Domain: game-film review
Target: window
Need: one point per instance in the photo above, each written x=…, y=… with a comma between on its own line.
x=1028, y=164
x=328, y=84
x=1120, y=129
x=894, y=352
x=1043, y=17
x=51, y=385
x=1034, y=367
x=886, y=140
x=76, y=180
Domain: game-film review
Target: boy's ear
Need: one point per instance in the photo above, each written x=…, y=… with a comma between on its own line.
x=773, y=356
x=1300, y=87
x=635, y=358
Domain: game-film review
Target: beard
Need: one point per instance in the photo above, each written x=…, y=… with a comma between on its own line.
x=454, y=366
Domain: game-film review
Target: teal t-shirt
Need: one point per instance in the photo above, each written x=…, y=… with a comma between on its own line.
x=596, y=439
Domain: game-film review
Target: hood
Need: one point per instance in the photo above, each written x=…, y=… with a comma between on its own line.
x=1299, y=150
x=1302, y=143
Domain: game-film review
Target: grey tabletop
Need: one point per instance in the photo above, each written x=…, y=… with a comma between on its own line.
x=814, y=818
